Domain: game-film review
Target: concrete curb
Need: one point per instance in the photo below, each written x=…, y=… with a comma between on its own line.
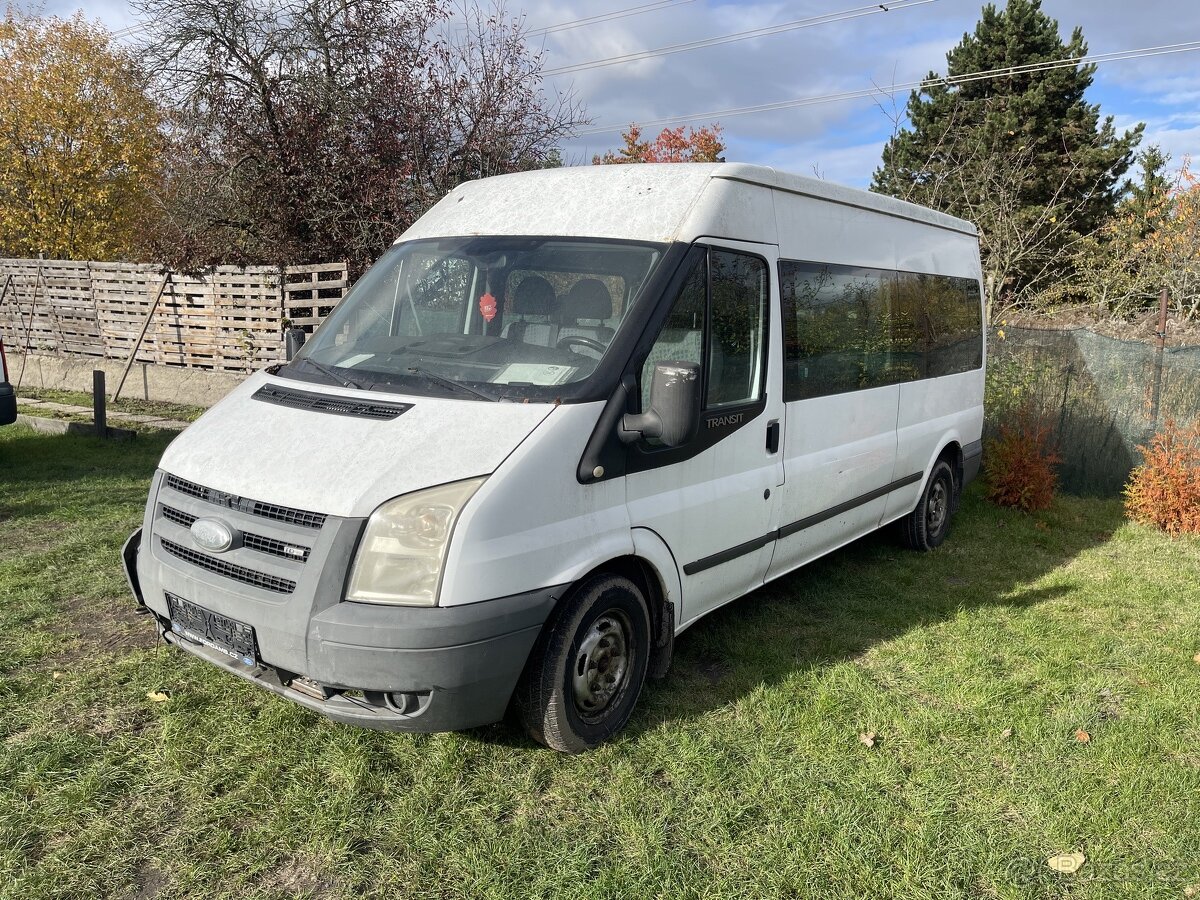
x=63, y=426
x=169, y=384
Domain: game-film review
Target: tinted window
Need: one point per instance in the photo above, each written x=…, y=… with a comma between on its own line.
x=847, y=328
x=836, y=335
x=739, y=304
x=735, y=323
x=938, y=322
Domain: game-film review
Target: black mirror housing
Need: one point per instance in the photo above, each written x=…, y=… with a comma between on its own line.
x=293, y=340
x=674, y=413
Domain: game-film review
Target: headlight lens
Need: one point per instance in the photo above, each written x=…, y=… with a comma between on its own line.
x=400, y=558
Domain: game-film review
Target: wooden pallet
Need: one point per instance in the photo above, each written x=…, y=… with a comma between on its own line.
x=227, y=319
x=311, y=292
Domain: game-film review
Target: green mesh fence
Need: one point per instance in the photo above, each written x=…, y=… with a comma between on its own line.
x=1101, y=397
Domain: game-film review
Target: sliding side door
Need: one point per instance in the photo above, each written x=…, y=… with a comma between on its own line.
x=840, y=387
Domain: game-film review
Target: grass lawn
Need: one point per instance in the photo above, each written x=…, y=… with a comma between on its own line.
x=742, y=775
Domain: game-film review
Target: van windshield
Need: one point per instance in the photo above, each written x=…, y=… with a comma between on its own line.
x=481, y=317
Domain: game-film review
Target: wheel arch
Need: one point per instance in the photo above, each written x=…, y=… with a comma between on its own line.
x=952, y=453
x=652, y=568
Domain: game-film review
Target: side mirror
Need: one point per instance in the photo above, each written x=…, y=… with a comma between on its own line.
x=293, y=340
x=674, y=413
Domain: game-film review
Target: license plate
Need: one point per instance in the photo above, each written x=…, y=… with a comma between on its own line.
x=233, y=638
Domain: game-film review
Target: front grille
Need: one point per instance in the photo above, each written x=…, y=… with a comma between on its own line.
x=274, y=547
x=257, y=542
x=178, y=517
x=341, y=406
x=287, y=514
x=230, y=570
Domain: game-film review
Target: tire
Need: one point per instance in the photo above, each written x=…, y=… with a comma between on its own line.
x=926, y=526
x=586, y=671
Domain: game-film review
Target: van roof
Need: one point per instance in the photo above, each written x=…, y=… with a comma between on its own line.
x=650, y=201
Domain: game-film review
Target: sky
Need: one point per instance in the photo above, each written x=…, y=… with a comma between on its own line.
x=842, y=140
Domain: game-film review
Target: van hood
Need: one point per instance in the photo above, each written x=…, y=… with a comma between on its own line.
x=344, y=465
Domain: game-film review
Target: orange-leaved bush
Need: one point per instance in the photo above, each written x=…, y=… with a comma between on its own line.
x=1019, y=465
x=1164, y=491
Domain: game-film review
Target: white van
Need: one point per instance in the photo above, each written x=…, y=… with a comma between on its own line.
x=566, y=415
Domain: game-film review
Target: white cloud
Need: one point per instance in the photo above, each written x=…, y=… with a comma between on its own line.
x=842, y=139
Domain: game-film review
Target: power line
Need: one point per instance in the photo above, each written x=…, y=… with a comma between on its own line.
x=130, y=29
x=828, y=18
x=608, y=17
x=950, y=81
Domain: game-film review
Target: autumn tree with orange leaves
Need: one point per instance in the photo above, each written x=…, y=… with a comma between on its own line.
x=1151, y=243
x=79, y=140
x=671, y=145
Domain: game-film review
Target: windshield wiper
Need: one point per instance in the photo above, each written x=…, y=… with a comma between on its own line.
x=451, y=383
x=340, y=379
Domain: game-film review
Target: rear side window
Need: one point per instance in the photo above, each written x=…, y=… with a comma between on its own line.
x=846, y=328
x=938, y=321
x=718, y=320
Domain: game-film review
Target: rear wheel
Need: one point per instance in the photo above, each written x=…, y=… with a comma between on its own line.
x=587, y=669
x=927, y=525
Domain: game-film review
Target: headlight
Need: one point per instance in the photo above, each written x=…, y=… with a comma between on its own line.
x=400, y=558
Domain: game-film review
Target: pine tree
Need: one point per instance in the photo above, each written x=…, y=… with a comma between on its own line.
x=1148, y=200
x=1023, y=155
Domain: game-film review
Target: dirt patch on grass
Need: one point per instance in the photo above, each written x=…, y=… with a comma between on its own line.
x=714, y=670
x=99, y=626
x=30, y=535
x=299, y=878
x=150, y=882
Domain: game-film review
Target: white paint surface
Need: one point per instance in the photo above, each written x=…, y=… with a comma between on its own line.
x=342, y=465
x=655, y=202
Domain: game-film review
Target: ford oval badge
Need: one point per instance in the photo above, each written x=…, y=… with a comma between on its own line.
x=212, y=534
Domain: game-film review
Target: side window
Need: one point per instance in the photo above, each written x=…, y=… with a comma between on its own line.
x=739, y=313
x=937, y=324
x=682, y=335
x=836, y=329
x=724, y=334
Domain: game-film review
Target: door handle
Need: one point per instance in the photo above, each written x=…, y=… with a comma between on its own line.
x=773, y=436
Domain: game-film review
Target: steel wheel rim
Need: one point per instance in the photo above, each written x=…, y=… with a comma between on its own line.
x=600, y=668
x=937, y=506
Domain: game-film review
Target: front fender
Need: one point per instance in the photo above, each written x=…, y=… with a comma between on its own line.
x=648, y=545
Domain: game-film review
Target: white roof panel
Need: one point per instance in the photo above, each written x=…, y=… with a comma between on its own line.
x=650, y=201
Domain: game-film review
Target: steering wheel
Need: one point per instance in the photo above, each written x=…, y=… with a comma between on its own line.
x=572, y=339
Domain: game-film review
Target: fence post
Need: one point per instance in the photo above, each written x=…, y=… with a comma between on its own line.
x=1159, y=345
x=99, y=404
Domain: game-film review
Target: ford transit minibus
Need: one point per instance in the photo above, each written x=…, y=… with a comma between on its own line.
x=568, y=413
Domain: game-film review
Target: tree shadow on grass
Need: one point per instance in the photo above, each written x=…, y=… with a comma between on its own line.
x=36, y=469
x=870, y=592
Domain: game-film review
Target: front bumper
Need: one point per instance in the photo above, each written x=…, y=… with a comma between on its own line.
x=384, y=667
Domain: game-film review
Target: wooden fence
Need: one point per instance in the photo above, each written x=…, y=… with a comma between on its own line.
x=229, y=319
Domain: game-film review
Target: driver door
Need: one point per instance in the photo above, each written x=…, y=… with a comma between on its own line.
x=713, y=501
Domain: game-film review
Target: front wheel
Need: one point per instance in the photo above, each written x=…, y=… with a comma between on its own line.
x=587, y=669
x=927, y=526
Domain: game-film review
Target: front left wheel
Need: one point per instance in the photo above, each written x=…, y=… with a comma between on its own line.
x=586, y=671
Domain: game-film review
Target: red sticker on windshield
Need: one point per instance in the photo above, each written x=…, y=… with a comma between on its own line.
x=487, y=306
